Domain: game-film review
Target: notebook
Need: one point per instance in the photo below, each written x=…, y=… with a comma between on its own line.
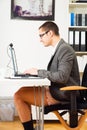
x=15, y=66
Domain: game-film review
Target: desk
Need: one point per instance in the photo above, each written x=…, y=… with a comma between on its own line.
x=29, y=82
x=25, y=82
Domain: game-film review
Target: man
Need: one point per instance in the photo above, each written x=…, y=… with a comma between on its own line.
x=62, y=71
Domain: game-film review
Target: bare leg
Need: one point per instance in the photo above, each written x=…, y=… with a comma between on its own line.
x=24, y=98
x=27, y=96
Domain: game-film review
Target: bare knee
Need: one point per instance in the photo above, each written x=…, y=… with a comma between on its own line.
x=17, y=95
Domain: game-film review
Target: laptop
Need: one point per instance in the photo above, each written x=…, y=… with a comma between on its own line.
x=15, y=66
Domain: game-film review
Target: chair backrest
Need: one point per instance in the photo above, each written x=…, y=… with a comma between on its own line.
x=84, y=83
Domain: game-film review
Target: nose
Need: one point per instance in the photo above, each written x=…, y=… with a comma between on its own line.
x=41, y=40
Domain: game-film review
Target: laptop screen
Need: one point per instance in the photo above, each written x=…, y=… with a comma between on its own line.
x=15, y=67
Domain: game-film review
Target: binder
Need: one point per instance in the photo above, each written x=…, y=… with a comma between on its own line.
x=72, y=17
x=85, y=19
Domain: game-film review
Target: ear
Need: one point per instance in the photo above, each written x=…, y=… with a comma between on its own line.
x=51, y=33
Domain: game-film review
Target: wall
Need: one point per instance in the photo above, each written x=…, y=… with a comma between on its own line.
x=24, y=35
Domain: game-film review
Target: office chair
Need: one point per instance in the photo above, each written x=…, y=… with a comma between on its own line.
x=76, y=110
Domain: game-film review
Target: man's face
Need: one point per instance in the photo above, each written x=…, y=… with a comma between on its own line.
x=45, y=37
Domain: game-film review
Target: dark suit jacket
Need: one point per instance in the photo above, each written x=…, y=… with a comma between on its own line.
x=62, y=69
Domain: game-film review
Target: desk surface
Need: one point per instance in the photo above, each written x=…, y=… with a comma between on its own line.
x=25, y=82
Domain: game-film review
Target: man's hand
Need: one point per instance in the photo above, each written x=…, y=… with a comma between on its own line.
x=32, y=71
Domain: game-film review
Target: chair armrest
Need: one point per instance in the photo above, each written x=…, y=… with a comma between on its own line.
x=73, y=88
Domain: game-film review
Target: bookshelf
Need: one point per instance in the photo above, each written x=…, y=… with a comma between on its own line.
x=78, y=7
x=77, y=34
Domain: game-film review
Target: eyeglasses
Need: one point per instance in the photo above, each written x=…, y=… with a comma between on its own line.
x=41, y=35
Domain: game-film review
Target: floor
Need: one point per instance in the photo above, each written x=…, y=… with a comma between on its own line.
x=16, y=125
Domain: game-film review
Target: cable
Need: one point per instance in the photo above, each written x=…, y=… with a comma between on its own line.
x=8, y=65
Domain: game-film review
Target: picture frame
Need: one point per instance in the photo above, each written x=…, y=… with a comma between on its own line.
x=32, y=9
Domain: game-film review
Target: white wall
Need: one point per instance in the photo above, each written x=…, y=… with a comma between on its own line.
x=24, y=35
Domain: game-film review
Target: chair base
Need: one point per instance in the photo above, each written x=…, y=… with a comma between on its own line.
x=64, y=123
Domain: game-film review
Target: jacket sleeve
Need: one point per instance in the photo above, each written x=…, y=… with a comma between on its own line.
x=65, y=63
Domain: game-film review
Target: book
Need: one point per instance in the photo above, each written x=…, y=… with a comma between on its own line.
x=85, y=19
x=72, y=19
x=78, y=19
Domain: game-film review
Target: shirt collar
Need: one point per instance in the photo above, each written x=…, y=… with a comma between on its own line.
x=54, y=48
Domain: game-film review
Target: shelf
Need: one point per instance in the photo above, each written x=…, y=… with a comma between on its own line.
x=77, y=28
x=81, y=53
x=78, y=7
x=78, y=34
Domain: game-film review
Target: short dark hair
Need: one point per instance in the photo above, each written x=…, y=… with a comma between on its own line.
x=50, y=26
